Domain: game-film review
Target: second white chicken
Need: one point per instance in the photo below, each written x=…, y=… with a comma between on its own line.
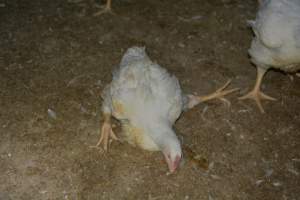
x=276, y=43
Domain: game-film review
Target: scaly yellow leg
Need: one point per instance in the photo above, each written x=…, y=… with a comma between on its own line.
x=218, y=94
x=256, y=94
x=106, y=132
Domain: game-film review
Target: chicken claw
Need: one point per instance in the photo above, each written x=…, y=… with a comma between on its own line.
x=106, y=133
x=256, y=94
x=218, y=94
x=106, y=9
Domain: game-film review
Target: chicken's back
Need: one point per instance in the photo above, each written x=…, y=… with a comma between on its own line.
x=277, y=35
x=144, y=88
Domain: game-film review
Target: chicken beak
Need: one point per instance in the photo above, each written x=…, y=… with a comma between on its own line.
x=173, y=164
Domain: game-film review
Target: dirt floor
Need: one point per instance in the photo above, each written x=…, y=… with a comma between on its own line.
x=55, y=59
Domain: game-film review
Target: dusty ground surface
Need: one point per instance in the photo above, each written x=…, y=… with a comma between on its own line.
x=55, y=59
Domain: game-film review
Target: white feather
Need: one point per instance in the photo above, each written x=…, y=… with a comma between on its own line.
x=277, y=35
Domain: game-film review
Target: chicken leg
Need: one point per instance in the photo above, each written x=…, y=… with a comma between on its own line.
x=256, y=94
x=106, y=132
x=106, y=9
x=218, y=94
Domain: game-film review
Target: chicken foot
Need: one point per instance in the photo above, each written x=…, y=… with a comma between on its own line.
x=106, y=132
x=256, y=94
x=218, y=94
x=106, y=9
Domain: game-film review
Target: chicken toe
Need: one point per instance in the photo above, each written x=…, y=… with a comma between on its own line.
x=106, y=133
x=256, y=94
x=218, y=94
x=106, y=9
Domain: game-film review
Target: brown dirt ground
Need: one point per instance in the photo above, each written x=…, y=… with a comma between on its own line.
x=55, y=59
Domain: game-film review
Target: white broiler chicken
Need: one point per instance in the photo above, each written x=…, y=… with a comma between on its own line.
x=276, y=43
x=147, y=100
